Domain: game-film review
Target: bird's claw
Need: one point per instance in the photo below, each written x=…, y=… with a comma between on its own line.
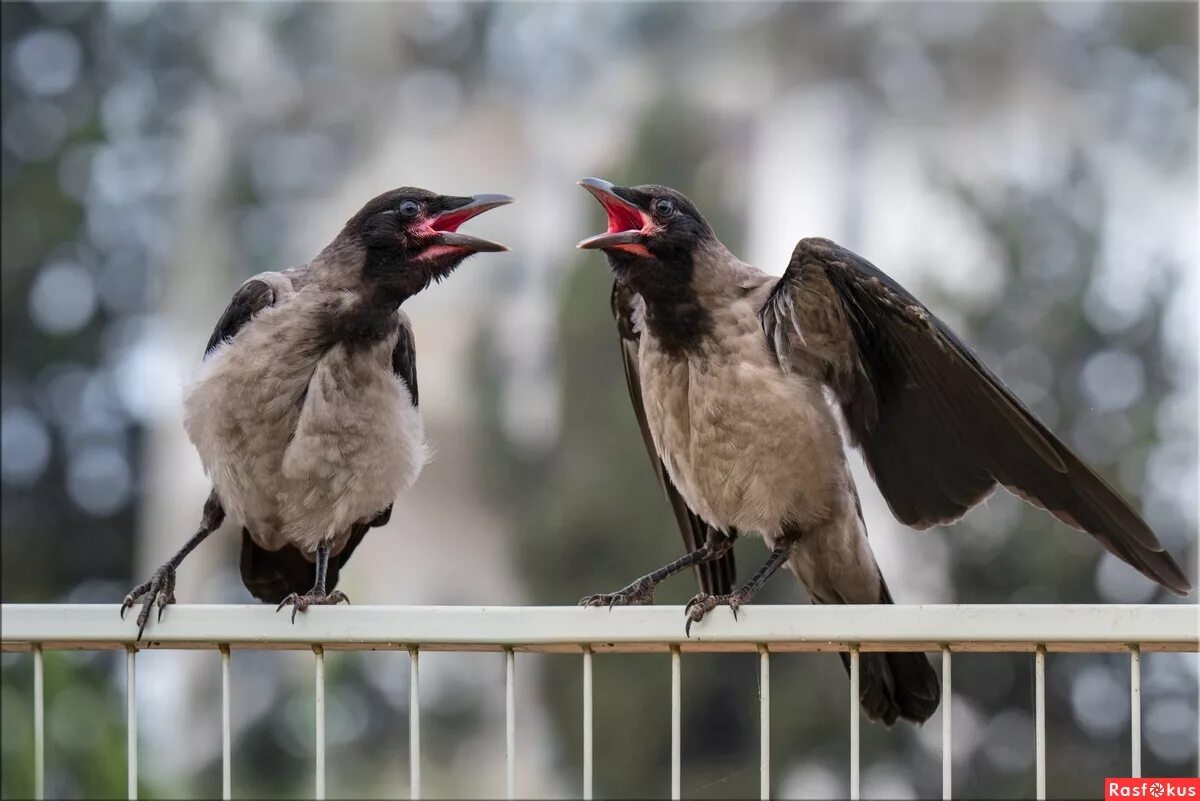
x=301, y=602
x=638, y=593
x=703, y=603
x=158, y=591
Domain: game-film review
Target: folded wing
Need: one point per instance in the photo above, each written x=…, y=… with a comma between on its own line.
x=718, y=576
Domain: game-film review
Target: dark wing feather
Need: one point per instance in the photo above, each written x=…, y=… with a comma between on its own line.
x=937, y=429
x=251, y=298
x=404, y=359
x=716, y=577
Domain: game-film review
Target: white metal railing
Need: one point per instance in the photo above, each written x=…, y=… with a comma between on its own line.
x=761, y=629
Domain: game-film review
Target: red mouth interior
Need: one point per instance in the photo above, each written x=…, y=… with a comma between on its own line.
x=452, y=219
x=621, y=216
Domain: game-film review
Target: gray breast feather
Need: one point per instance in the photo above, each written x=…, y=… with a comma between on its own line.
x=301, y=440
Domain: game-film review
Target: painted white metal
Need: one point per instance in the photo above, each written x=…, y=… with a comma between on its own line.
x=1135, y=710
x=319, y=703
x=587, y=724
x=1039, y=690
x=764, y=722
x=131, y=721
x=635, y=628
x=226, y=728
x=854, y=720
x=414, y=723
x=510, y=722
x=39, y=723
x=947, y=721
x=676, y=723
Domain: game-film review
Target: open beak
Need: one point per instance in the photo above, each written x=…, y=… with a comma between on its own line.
x=445, y=225
x=626, y=222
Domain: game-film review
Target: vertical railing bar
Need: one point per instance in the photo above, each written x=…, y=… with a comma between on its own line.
x=764, y=722
x=414, y=723
x=510, y=722
x=1039, y=687
x=947, y=720
x=587, y=723
x=1135, y=710
x=226, y=728
x=854, y=715
x=131, y=720
x=676, y=721
x=39, y=722
x=319, y=715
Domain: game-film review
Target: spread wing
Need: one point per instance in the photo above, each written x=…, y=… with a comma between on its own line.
x=716, y=577
x=937, y=429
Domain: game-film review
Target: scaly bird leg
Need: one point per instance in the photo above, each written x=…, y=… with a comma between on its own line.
x=642, y=591
x=160, y=589
x=702, y=603
x=315, y=596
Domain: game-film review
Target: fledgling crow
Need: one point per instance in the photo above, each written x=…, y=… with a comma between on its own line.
x=732, y=372
x=304, y=410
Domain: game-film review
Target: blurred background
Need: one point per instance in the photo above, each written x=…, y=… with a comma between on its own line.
x=1029, y=170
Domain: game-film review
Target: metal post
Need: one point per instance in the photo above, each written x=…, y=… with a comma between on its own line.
x=764, y=722
x=1135, y=710
x=319, y=711
x=947, y=720
x=131, y=720
x=226, y=728
x=39, y=723
x=1039, y=684
x=414, y=723
x=854, y=715
x=510, y=722
x=587, y=723
x=676, y=726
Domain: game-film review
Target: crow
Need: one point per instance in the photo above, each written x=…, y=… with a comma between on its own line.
x=304, y=409
x=738, y=379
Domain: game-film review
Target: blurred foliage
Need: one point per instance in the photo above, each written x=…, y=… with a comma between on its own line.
x=97, y=103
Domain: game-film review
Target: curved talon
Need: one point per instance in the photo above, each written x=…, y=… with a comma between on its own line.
x=158, y=591
x=301, y=602
x=638, y=593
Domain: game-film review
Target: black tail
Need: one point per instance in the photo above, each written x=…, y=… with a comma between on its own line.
x=271, y=576
x=896, y=685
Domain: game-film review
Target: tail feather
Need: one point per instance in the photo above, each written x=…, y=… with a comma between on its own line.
x=898, y=684
x=271, y=576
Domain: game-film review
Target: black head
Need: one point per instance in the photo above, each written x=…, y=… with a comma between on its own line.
x=649, y=227
x=651, y=243
x=411, y=235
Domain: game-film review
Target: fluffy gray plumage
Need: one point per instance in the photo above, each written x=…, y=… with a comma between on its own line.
x=304, y=410
x=303, y=437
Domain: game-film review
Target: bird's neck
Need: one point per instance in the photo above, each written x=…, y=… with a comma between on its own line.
x=365, y=317
x=674, y=313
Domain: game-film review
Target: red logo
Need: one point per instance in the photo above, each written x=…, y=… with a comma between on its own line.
x=1151, y=788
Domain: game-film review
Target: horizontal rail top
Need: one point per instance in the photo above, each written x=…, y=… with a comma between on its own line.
x=1013, y=627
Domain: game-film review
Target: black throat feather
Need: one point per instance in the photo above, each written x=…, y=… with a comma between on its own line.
x=674, y=314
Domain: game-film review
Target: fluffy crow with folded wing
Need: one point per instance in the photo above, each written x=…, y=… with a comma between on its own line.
x=304, y=410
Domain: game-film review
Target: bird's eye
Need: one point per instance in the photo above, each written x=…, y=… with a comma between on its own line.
x=663, y=207
x=409, y=208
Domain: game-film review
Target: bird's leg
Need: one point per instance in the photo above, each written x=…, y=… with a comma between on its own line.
x=703, y=602
x=642, y=591
x=159, y=590
x=315, y=596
